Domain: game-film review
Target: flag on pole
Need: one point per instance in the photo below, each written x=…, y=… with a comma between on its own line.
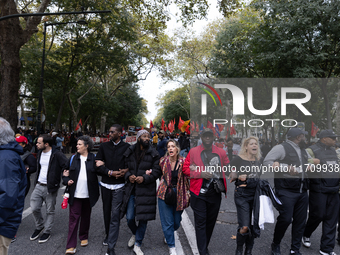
x=217, y=130
x=202, y=127
x=232, y=130
x=314, y=130
x=192, y=126
x=162, y=126
x=151, y=124
x=80, y=123
x=180, y=123
x=184, y=126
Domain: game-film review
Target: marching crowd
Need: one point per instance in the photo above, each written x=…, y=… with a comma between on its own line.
x=128, y=186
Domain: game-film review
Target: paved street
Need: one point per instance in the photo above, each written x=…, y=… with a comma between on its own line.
x=221, y=243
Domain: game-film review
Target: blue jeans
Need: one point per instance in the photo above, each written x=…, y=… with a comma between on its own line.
x=138, y=231
x=170, y=220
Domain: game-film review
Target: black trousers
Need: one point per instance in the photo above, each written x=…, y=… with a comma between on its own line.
x=205, y=213
x=112, y=202
x=293, y=210
x=244, y=201
x=322, y=208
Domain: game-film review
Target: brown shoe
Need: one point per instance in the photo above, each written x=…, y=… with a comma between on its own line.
x=84, y=242
x=71, y=251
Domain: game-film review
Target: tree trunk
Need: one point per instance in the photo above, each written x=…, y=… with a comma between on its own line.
x=10, y=85
x=12, y=37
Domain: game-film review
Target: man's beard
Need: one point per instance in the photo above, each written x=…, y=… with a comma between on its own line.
x=145, y=144
x=302, y=144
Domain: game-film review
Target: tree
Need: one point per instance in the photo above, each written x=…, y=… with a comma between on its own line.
x=305, y=36
x=173, y=104
x=14, y=33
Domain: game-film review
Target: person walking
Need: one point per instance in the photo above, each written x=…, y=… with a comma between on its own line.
x=140, y=191
x=12, y=185
x=205, y=188
x=111, y=166
x=28, y=159
x=82, y=182
x=323, y=193
x=173, y=177
x=51, y=162
x=291, y=186
x=245, y=187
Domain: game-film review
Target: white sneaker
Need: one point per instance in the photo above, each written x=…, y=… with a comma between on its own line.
x=137, y=250
x=327, y=253
x=306, y=241
x=132, y=241
x=172, y=251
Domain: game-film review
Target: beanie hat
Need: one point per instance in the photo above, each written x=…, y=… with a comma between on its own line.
x=141, y=132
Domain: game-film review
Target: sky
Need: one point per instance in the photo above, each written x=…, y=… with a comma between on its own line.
x=153, y=86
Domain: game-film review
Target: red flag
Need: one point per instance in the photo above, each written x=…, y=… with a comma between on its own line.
x=172, y=126
x=210, y=125
x=162, y=126
x=188, y=130
x=174, y=122
x=220, y=127
x=192, y=126
x=80, y=123
x=151, y=124
x=314, y=130
x=165, y=128
x=142, y=126
x=197, y=127
x=180, y=123
x=232, y=130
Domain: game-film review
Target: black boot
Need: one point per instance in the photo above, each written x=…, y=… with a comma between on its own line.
x=240, y=240
x=249, y=245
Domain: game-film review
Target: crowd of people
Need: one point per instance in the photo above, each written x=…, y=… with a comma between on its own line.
x=187, y=177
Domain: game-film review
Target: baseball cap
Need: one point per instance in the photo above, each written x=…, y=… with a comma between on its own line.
x=206, y=131
x=162, y=131
x=294, y=132
x=327, y=133
x=21, y=139
x=54, y=133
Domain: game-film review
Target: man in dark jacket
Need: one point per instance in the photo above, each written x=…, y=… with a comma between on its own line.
x=291, y=184
x=323, y=193
x=51, y=162
x=140, y=200
x=12, y=185
x=161, y=146
x=111, y=166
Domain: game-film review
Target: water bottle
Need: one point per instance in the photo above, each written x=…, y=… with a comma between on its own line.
x=65, y=201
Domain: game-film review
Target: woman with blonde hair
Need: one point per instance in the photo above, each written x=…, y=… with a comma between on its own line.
x=245, y=172
x=173, y=177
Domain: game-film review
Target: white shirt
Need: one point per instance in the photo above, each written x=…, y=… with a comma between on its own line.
x=44, y=162
x=82, y=190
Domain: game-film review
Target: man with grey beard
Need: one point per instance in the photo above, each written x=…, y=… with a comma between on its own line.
x=12, y=186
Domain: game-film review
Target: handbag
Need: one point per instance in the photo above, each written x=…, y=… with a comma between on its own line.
x=170, y=194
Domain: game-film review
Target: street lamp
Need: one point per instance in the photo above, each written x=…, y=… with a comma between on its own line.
x=80, y=22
